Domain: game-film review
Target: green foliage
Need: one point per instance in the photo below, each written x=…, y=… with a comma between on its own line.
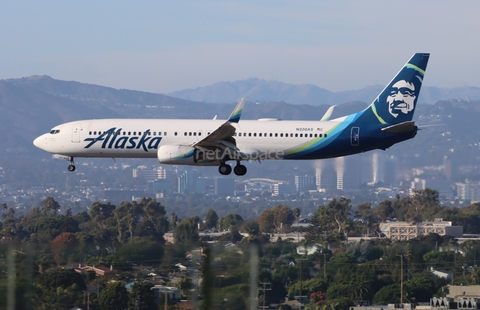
x=140, y=252
x=58, y=289
x=113, y=297
x=186, y=231
x=273, y=219
x=308, y=286
x=142, y=297
x=389, y=294
x=231, y=220
x=211, y=219
x=331, y=223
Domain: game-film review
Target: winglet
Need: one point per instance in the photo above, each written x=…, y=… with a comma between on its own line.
x=237, y=112
x=327, y=114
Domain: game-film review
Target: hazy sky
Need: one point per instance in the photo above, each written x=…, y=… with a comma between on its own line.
x=163, y=46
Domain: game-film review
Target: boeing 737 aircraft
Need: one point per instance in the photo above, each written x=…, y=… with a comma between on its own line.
x=388, y=120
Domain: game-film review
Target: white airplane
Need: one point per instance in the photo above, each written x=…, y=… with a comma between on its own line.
x=388, y=120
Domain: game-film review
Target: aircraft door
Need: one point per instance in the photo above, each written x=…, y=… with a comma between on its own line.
x=355, y=136
x=76, y=129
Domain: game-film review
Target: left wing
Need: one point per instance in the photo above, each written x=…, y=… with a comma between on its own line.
x=222, y=137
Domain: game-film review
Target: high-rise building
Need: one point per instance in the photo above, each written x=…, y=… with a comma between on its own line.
x=284, y=189
x=189, y=182
x=304, y=183
x=224, y=186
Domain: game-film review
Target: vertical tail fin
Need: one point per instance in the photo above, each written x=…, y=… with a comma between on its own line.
x=396, y=103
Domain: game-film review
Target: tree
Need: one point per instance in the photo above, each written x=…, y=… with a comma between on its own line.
x=366, y=213
x=266, y=221
x=50, y=207
x=100, y=212
x=297, y=213
x=231, y=220
x=63, y=246
x=275, y=218
x=58, y=289
x=113, y=297
x=142, y=297
x=331, y=222
x=186, y=231
x=211, y=219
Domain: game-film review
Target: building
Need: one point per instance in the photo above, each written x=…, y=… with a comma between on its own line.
x=224, y=186
x=305, y=183
x=468, y=191
x=99, y=270
x=172, y=293
x=405, y=231
x=284, y=189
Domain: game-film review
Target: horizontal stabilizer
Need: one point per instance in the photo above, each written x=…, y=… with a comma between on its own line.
x=328, y=114
x=400, y=128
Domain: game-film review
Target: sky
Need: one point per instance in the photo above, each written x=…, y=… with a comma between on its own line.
x=164, y=46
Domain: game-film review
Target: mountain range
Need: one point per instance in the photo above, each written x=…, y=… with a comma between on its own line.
x=267, y=91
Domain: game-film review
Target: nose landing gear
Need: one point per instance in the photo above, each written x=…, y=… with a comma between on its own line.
x=71, y=167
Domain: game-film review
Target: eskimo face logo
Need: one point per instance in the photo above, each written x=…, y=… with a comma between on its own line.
x=401, y=98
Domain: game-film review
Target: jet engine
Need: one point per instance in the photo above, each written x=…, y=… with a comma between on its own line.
x=176, y=154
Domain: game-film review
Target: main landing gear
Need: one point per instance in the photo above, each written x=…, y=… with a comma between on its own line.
x=239, y=169
x=71, y=167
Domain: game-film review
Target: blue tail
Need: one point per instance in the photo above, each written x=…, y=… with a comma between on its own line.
x=396, y=103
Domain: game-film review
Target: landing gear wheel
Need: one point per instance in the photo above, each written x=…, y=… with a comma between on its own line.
x=71, y=167
x=225, y=169
x=240, y=170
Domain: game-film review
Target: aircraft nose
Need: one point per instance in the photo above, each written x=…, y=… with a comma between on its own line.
x=40, y=142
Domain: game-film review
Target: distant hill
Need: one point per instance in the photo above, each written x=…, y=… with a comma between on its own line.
x=265, y=91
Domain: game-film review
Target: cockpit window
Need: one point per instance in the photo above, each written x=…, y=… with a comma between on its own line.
x=54, y=131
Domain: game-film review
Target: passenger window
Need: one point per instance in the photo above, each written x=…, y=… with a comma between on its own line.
x=165, y=133
x=311, y=135
x=185, y=133
x=301, y=135
x=129, y=133
x=190, y=134
x=296, y=135
x=276, y=134
x=199, y=133
x=254, y=134
x=249, y=134
x=325, y=135
x=194, y=133
x=260, y=134
x=271, y=134
x=281, y=135
x=175, y=133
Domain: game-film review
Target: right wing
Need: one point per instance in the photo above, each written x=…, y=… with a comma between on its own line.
x=222, y=137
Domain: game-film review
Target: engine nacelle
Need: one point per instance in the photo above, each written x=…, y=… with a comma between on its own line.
x=176, y=154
